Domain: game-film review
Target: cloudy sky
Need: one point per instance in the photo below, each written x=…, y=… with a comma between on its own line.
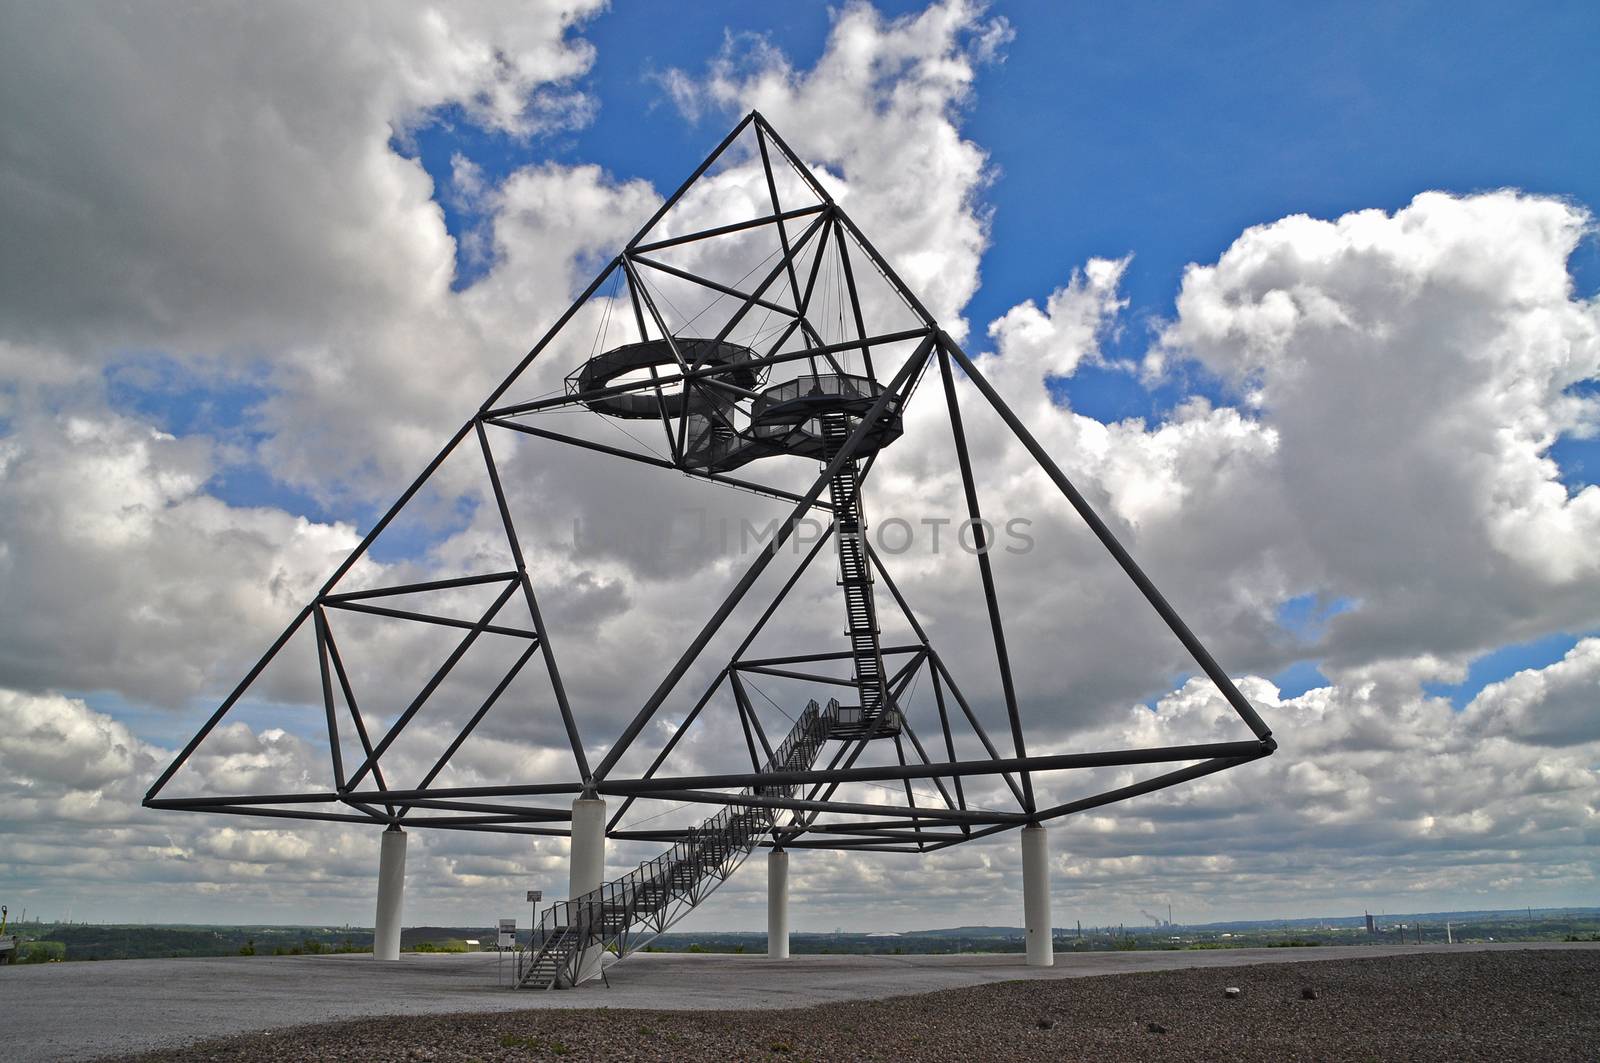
x=1306, y=306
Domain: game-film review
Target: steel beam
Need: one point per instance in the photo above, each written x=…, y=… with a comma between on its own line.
x=1108, y=539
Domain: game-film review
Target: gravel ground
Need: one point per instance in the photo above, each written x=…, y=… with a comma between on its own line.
x=1522, y=1005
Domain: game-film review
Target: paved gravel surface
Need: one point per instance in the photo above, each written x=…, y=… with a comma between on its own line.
x=1446, y=1005
x=76, y=1011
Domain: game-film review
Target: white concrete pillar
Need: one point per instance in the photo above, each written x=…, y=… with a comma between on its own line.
x=1036, y=896
x=391, y=894
x=587, y=865
x=778, y=905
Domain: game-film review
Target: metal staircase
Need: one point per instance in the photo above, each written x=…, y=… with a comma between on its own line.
x=627, y=913
x=855, y=578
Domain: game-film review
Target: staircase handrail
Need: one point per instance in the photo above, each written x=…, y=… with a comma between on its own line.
x=735, y=826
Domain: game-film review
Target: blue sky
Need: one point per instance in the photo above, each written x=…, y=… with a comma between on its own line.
x=1156, y=129
x=1160, y=131
x=208, y=233
x=1148, y=130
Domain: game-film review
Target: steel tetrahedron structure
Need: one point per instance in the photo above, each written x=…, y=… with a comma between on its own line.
x=760, y=330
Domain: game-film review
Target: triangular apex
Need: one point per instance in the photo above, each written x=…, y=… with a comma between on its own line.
x=749, y=336
x=751, y=165
x=713, y=325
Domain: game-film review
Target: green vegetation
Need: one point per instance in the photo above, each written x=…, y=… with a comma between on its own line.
x=42, y=952
x=512, y=1040
x=81, y=941
x=47, y=942
x=54, y=942
x=1547, y=925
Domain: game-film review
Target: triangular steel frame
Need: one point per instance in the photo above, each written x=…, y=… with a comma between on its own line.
x=885, y=827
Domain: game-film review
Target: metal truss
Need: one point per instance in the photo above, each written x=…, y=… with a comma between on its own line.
x=709, y=395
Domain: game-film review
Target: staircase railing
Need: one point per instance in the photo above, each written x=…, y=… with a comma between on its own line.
x=855, y=578
x=626, y=913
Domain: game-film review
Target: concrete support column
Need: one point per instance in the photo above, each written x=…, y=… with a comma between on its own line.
x=391, y=894
x=777, y=905
x=587, y=866
x=1036, y=895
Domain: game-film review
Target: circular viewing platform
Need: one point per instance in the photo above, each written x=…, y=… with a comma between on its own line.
x=806, y=416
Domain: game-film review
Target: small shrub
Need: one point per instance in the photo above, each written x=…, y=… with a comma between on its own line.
x=42, y=952
x=512, y=1040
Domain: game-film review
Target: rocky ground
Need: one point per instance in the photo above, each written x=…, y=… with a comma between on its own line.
x=1521, y=1005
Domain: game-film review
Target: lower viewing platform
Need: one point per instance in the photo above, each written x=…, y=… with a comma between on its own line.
x=852, y=721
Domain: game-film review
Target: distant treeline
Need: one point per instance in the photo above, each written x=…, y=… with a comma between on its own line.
x=44, y=942
x=48, y=942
